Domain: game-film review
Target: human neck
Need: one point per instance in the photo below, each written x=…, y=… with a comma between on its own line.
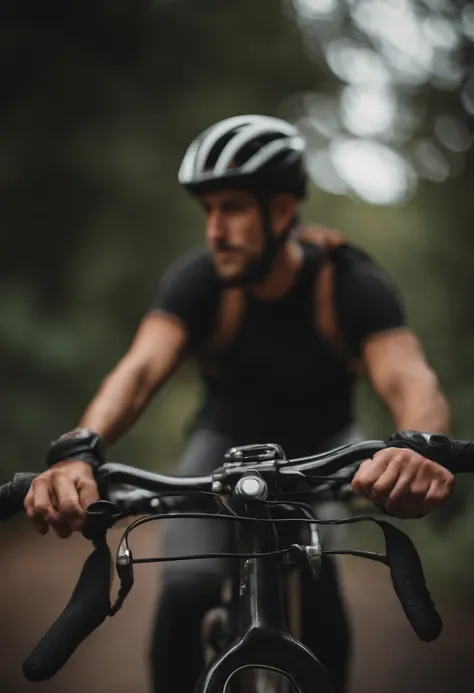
x=283, y=274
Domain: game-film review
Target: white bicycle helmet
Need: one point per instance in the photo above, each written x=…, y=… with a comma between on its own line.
x=252, y=152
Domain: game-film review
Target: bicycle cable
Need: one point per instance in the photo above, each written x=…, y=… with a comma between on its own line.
x=244, y=518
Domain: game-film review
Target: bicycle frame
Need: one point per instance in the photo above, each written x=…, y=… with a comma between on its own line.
x=263, y=639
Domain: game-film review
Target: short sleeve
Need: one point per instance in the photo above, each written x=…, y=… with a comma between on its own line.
x=190, y=291
x=367, y=299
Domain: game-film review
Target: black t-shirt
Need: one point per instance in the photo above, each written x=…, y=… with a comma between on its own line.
x=279, y=380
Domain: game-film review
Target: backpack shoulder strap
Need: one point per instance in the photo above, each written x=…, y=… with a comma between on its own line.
x=230, y=313
x=324, y=238
x=326, y=319
x=229, y=316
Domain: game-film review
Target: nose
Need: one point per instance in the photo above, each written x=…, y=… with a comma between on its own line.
x=215, y=227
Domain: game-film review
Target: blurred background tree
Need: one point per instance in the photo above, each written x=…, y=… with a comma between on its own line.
x=98, y=104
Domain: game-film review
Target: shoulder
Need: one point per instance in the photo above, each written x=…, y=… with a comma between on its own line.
x=367, y=298
x=350, y=261
x=356, y=268
x=190, y=290
x=192, y=279
x=320, y=239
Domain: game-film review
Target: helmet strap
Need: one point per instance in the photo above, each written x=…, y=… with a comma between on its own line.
x=258, y=271
x=272, y=243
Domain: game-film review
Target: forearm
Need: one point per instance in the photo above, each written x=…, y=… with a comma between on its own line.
x=420, y=405
x=152, y=358
x=121, y=399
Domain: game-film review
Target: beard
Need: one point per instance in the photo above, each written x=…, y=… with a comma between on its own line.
x=257, y=267
x=249, y=273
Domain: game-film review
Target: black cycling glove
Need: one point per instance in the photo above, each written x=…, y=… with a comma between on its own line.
x=455, y=455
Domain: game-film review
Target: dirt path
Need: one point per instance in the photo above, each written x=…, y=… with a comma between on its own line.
x=37, y=576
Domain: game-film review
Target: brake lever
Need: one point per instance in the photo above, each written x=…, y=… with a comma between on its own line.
x=101, y=516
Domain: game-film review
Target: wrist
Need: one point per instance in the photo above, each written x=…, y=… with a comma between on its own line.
x=434, y=446
x=81, y=444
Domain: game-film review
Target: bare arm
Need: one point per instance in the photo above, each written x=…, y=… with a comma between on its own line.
x=401, y=481
x=60, y=496
x=152, y=358
x=403, y=379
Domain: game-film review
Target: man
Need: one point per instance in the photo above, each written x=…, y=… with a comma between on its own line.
x=277, y=325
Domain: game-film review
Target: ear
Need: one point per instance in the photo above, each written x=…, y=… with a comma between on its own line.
x=283, y=211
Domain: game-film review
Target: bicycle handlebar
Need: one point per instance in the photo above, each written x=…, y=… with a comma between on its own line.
x=90, y=602
x=455, y=455
x=326, y=464
x=88, y=607
x=13, y=494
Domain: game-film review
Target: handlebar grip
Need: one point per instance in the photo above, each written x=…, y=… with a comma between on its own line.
x=462, y=456
x=409, y=583
x=455, y=455
x=12, y=495
x=86, y=610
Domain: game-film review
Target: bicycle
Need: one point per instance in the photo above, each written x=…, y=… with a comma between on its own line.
x=247, y=639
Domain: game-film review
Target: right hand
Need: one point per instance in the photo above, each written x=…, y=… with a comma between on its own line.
x=60, y=496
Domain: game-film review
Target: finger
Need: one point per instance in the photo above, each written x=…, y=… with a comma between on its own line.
x=419, y=487
x=384, y=485
x=62, y=529
x=28, y=502
x=368, y=473
x=42, y=510
x=421, y=497
x=436, y=494
x=88, y=492
x=40, y=524
x=424, y=493
x=67, y=501
x=402, y=485
x=412, y=500
x=409, y=508
x=57, y=522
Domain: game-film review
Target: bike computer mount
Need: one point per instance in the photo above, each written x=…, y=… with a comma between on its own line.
x=243, y=461
x=244, y=455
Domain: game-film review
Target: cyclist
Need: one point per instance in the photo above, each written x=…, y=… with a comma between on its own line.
x=280, y=324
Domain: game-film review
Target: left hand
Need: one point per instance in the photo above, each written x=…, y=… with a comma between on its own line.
x=403, y=482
